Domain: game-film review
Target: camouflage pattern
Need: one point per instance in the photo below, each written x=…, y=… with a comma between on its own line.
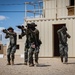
x=63, y=46
x=34, y=47
x=32, y=37
x=34, y=51
x=63, y=52
x=24, y=33
x=26, y=55
x=12, y=45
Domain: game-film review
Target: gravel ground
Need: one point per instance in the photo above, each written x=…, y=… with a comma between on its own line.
x=47, y=66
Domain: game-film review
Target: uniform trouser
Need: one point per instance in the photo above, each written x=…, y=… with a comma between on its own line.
x=10, y=52
x=35, y=52
x=63, y=51
x=26, y=55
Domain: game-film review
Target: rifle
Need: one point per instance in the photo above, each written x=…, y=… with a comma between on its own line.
x=20, y=27
x=4, y=30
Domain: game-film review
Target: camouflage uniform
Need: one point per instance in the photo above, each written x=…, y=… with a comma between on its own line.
x=34, y=50
x=63, y=46
x=29, y=40
x=26, y=53
x=12, y=45
x=24, y=32
x=32, y=37
x=25, y=56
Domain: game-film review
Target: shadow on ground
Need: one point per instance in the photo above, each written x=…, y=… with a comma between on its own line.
x=43, y=65
x=39, y=65
x=71, y=63
x=19, y=64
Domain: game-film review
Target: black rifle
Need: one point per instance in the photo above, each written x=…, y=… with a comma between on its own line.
x=4, y=30
x=20, y=27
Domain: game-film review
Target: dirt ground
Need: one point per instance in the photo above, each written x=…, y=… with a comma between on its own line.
x=47, y=66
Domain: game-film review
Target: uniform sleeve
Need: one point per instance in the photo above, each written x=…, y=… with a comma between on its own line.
x=59, y=36
x=23, y=33
x=11, y=33
x=6, y=36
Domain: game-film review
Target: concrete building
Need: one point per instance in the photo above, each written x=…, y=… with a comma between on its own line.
x=2, y=48
x=1, y=45
x=55, y=14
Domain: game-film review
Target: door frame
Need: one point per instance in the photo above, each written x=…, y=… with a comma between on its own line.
x=63, y=24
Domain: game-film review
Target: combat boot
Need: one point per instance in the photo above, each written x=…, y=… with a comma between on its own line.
x=36, y=64
x=8, y=63
x=31, y=65
x=8, y=59
x=61, y=59
x=25, y=63
x=66, y=60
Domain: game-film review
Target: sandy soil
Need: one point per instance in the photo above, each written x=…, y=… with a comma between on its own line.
x=47, y=66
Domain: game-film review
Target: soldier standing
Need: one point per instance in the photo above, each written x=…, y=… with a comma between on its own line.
x=34, y=44
x=63, y=46
x=12, y=45
x=25, y=33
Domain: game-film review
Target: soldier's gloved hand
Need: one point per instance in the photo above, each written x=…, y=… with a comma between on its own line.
x=4, y=30
x=20, y=36
x=6, y=36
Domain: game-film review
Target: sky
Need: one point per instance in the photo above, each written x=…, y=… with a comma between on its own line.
x=8, y=15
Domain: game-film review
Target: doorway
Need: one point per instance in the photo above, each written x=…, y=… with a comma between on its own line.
x=56, y=27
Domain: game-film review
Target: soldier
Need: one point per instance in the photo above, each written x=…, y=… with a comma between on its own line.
x=12, y=45
x=63, y=46
x=34, y=45
x=24, y=32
